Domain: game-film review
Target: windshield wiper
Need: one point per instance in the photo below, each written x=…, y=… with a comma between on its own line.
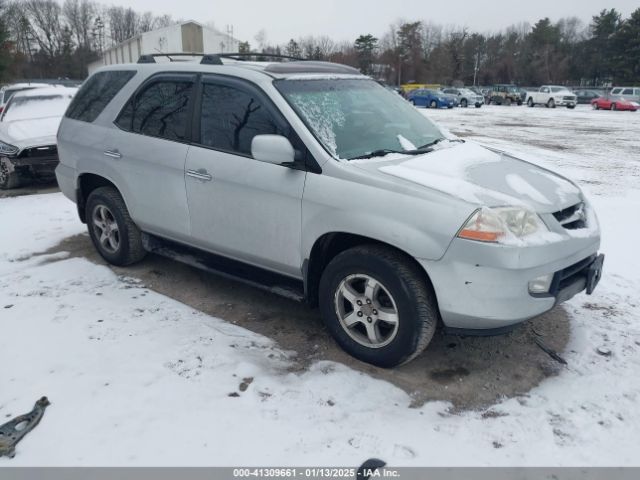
x=418, y=151
x=438, y=140
x=377, y=153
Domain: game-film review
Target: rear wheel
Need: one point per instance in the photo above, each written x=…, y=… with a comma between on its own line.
x=464, y=103
x=377, y=305
x=595, y=106
x=507, y=102
x=114, y=234
x=530, y=102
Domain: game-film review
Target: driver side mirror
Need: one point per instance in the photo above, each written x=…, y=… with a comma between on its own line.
x=274, y=149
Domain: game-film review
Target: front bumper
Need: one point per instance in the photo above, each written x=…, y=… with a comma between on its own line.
x=566, y=103
x=37, y=164
x=486, y=286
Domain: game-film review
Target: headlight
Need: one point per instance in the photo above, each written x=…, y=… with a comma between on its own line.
x=7, y=149
x=501, y=223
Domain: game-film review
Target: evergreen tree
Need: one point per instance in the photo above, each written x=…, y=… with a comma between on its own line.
x=626, y=44
x=293, y=49
x=366, y=47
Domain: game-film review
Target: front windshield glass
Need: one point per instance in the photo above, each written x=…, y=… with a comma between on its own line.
x=21, y=108
x=355, y=117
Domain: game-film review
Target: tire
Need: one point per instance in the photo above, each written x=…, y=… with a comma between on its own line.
x=595, y=106
x=433, y=104
x=122, y=245
x=401, y=288
x=464, y=103
x=507, y=102
x=519, y=102
x=571, y=107
x=412, y=102
x=530, y=103
x=9, y=180
x=614, y=107
x=551, y=103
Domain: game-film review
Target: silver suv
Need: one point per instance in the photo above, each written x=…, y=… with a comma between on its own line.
x=315, y=182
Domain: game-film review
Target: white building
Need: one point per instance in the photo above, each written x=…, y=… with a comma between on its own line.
x=187, y=37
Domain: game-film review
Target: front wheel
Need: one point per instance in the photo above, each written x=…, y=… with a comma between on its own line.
x=114, y=234
x=378, y=306
x=434, y=104
x=9, y=179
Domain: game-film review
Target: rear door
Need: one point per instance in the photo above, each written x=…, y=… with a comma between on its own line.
x=150, y=147
x=240, y=207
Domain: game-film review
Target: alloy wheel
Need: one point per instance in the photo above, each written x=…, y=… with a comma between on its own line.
x=106, y=228
x=366, y=310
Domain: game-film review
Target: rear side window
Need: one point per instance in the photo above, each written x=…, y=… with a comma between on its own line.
x=160, y=109
x=96, y=93
x=231, y=117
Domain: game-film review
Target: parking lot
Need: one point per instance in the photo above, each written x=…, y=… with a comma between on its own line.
x=509, y=391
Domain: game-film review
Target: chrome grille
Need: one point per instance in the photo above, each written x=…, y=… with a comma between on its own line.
x=572, y=218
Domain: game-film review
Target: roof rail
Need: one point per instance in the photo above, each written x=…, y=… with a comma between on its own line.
x=214, y=58
x=151, y=57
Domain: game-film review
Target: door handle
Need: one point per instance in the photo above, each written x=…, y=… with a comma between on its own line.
x=112, y=154
x=201, y=174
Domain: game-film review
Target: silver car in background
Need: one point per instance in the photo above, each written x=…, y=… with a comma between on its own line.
x=314, y=181
x=631, y=94
x=465, y=96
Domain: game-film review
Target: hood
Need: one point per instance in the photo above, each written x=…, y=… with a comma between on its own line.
x=480, y=176
x=34, y=132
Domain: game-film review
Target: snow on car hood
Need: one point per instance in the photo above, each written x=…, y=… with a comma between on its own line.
x=484, y=177
x=34, y=132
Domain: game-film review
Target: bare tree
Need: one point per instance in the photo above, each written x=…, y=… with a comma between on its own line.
x=46, y=27
x=80, y=16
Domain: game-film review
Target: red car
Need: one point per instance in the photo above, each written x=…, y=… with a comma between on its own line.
x=617, y=103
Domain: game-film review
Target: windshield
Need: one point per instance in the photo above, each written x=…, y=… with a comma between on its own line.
x=22, y=108
x=355, y=117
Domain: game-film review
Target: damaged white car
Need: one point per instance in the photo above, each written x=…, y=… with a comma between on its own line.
x=28, y=128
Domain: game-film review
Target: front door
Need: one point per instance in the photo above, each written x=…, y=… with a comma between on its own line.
x=240, y=207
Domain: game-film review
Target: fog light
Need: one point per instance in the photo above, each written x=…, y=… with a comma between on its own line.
x=541, y=284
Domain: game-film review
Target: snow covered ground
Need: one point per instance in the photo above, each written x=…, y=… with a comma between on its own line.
x=138, y=379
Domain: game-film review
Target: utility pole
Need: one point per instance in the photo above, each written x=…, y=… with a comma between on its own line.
x=475, y=70
x=230, y=42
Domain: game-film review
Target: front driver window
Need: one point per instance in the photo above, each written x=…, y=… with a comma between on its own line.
x=231, y=117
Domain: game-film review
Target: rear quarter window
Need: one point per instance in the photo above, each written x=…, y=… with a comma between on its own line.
x=96, y=93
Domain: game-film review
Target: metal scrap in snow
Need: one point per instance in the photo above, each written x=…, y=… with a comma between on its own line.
x=14, y=430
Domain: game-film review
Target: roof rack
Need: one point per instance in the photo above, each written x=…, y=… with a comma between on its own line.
x=215, y=58
x=293, y=65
